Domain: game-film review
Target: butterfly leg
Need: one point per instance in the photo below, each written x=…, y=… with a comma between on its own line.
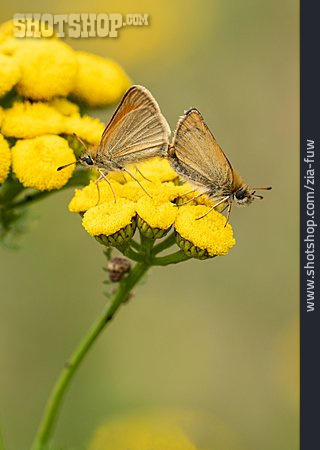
x=135, y=179
x=193, y=198
x=139, y=171
x=102, y=176
x=214, y=206
x=228, y=213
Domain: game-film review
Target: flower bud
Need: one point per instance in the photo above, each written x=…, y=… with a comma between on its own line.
x=149, y=232
x=190, y=249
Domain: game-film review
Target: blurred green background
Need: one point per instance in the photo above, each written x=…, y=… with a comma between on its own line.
x=217, y=339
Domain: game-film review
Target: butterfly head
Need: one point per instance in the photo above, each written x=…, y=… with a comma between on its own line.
x=245, y=195
x=86, y=159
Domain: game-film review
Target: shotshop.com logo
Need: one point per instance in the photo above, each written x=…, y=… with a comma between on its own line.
x=82, y=25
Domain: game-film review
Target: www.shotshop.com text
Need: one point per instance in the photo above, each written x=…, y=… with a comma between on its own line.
x=309, y=240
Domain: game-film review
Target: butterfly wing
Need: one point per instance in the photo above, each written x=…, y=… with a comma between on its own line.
x=137, y=130
x=196, y=155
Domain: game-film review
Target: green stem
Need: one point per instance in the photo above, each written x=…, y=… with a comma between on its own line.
x=79, y=178
x=130, y=253
x=146, y=245
x=134, y=244
x=167, y=242
x=174, y=258
x=52, y=408
x=9, y=190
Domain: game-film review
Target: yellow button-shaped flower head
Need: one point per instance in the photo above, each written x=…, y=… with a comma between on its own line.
x=9, y=73
x=5, y=159
x=207, y=236
x=99, y=81
x=35, y=162
x=27, y=120
x=155, y=216
x=86, y=127
x=64, y=106
x=48, y=69
x=94, y=194
x=113, y=222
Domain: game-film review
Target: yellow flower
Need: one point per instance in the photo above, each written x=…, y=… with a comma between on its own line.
x=5, y=159
x=92, y=195
x=99, y=81
x=35, y=162
x=85, y=127
x=48, y=68
x=28, y=120
x=140, y=434
x=157, y=216
x=153, y=169
x=9, y=73
x=109, y=218
x=157, y=169
x=208, y=233
x=64, y=106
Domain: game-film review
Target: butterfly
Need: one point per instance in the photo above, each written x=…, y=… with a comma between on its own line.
x=196, y=156
x=137, y=131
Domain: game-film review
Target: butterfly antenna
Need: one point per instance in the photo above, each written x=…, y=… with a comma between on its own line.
x=263, y=188
x=80, y=140
x=66, y=165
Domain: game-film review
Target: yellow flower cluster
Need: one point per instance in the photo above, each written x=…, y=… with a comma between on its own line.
x=25, y=120
x=28, y=122
x=41, y=69
x=153, y=207
x=37, y=116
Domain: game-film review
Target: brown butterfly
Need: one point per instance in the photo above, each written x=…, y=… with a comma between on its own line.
x=196, y=156
x=136, y=131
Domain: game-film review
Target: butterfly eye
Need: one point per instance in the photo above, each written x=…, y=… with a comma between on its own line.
x=240, y=195
x=88, y=160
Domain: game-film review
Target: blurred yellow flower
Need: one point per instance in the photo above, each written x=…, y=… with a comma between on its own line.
x=99, y=81
x=64, y=106
x=208, y=233
x=140, y=434
x=28, y=120
x=5, y=159
x=35, y=162
x=48, y=68
x=85, y=127
x=9, y=73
